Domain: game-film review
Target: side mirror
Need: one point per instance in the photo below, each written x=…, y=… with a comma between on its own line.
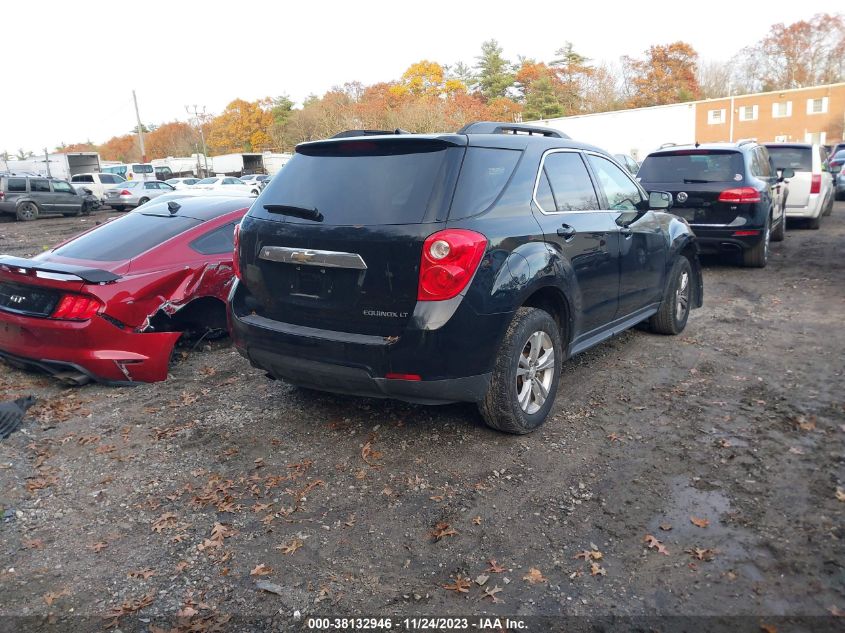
x=659, y=200
x=785, y=173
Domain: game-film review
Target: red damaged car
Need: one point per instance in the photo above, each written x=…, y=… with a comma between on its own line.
x=110, y=304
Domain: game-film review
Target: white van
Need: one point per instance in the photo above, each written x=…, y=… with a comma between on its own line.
x=133, y=171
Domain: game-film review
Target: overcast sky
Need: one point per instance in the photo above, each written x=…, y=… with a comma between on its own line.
x=71, y=66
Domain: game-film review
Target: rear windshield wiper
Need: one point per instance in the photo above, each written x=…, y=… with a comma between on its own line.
x=296, y=212
x=695, y=180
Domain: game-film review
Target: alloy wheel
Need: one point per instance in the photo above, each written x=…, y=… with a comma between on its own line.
x=535, y=372
x=28, y=211
x=682, y=297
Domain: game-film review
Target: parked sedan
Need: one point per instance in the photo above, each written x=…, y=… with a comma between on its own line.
x=134, y=193
x=260, y=180
x=110, y=304
x=811, y=190
x=182, y=183
x=227, y=182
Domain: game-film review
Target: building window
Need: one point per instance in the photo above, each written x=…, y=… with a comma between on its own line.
x=781, y=109
x=817, y=138
x=748, y=113
x=817, y=106
x=715, y=117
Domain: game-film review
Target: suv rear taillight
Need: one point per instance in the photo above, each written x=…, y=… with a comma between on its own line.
x=449, y=259
x=74, y=307
x=2, y=195
x=236, y=264
x=125, y=192
x=740, y=195
x=816, y=183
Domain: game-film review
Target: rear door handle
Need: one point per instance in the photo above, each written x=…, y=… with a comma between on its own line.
x=566, y=232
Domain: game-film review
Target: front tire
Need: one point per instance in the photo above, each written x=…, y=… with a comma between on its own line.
x=780, y=232
x=27, y=211
x=674, y=311
x=526, y=374
x=118, y=207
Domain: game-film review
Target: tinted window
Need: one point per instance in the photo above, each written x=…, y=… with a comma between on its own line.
x=570, y=182
x=760, y=163
x=544, y=193
x=16, y=184
x=151, y=185
x=142, y=169
x=38, y=184
x=232, y=181
x=207, y=181
x=619, y=189
x=797, y=158
x=60, y=186
x=110, y=179
x=218, y=241
x=82, y=178
x=367, y=182
x=693, y=165
x=484, y=174
x=126, y=237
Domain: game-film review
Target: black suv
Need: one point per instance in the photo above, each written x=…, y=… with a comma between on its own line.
x=730, y=193
x=453, y=267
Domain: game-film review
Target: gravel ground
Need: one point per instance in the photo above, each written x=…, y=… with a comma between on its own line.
x=698, y=475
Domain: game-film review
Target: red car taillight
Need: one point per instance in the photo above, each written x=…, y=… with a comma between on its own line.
x=125, y=192
x=236, y=264
x=449, y=259
x=2, y=196
x=77, y=308
x=740, y=195
x=816, y=183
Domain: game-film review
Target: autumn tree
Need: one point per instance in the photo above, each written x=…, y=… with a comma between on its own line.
x=121, y=148
x=242, y=127
x=805, y=53
x=88, y=146
x=171, y=139
x=714, y=79
x=494, y=73
x=540, y=91
x=666, y=75
x=573, y=72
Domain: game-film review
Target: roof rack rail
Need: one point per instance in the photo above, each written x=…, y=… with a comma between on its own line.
x=493, y=127
x=351, y=133
x=665, y=145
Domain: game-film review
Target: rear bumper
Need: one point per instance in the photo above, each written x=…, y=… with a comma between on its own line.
x=812, y=209
x=454, y=361
x=96, y=348
x=719, y=240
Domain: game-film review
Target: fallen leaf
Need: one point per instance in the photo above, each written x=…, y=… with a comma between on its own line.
x=596, y=570
x=99, y=547
x=836, y=611
x=442, y=530
x=261, y=570
x=181, y=566
x=806, y=423
x=701, y=554
x=476, y=520
x=490, y=592
x=369, y=454
x=291, y=547
x=590, y=555
x=725, y=443
x=495, y=568
x=840, y=494
x=653, y=543
x=768, y=628
x=49, y=598
x=534, y=576
x=261, y=507
x=796, y=450
x=142, y=573
x=665, y=526
x=186, y=612
x=35, y=543
x=461, y=585
x=702, y=523
x=613, y=437
x=164, y=522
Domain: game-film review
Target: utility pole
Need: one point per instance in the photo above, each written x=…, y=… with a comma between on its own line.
x=47, y=162
x=140, y=129
x=199, y=119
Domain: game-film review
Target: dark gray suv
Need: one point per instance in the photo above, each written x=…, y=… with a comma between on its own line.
x=30, y=196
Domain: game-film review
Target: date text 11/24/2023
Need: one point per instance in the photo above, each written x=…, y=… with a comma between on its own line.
x=416, y=624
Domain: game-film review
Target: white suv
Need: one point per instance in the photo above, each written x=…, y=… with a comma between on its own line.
x=811, y=190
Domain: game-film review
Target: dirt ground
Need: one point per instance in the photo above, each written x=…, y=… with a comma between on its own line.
x=698, y=475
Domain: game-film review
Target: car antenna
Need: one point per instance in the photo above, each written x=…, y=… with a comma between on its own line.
x=697, y=144
x=173, y=207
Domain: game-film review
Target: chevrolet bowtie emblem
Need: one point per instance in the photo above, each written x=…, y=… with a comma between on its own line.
x=302, y=256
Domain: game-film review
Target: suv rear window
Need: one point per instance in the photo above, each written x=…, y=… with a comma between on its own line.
x=797, y=158
x=17, y=184
x=142, y=169
x=693, y=165
x=484, y=174
x=367, y=182
x=126, y=237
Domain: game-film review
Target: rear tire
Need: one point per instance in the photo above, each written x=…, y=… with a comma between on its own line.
x=829, y=208
x=758, y=255
x=27, y=211
x=814, y=223
x=525, y=377
x=780, y=232
x=671, y=317
x=118, y=207
x=143, y=201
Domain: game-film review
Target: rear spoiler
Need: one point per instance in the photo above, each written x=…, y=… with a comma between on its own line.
x=91, y=275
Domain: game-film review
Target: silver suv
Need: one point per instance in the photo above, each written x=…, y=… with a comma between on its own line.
x=30, y=196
